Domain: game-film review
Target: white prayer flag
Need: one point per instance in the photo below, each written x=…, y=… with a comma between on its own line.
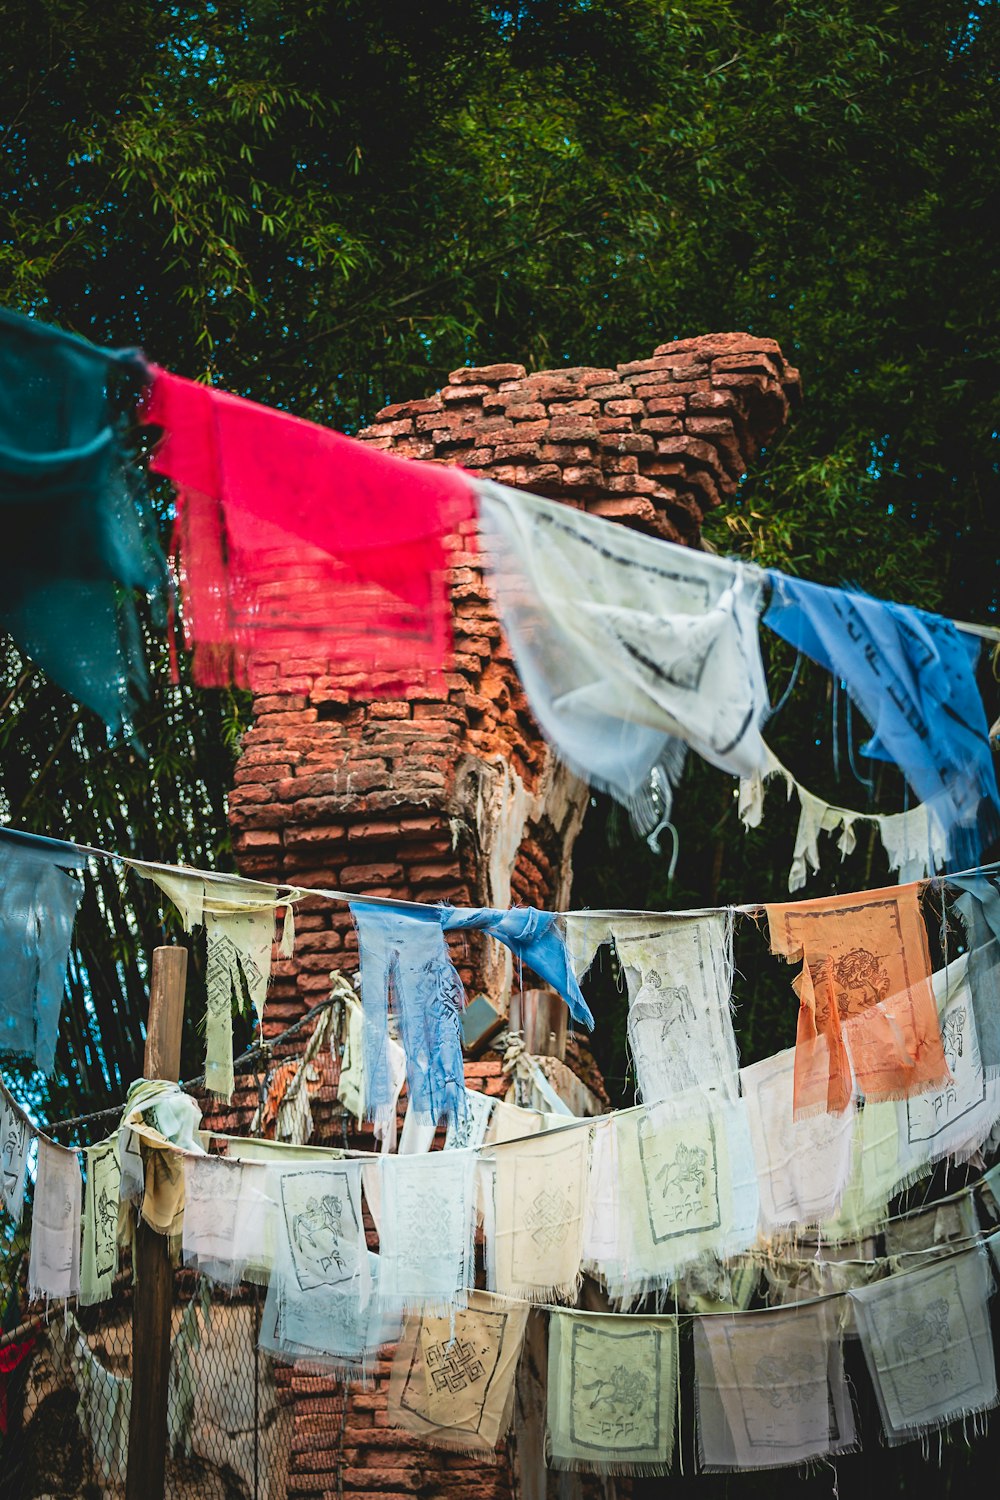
x=54, y=1263
x=612, y=1392
x=927, y=1342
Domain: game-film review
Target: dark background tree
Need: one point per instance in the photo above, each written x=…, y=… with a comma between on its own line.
x=328, y=206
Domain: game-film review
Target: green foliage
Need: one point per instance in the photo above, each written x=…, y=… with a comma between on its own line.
x=326, y=204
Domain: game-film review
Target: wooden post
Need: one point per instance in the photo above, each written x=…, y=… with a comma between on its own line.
x=153, y=1295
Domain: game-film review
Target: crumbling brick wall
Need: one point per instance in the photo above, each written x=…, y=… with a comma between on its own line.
x=454, y=796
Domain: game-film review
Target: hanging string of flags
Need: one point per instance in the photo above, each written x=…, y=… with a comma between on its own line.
x=867, y=1018
x=631, y=649
x=645, y=1201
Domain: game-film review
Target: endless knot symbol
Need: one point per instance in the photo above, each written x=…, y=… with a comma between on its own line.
x=548, y=1219
x=454, y=1366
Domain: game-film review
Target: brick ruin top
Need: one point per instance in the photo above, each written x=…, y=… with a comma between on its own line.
x=656, y=442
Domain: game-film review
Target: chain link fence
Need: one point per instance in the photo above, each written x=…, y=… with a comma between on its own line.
x=65, y=1391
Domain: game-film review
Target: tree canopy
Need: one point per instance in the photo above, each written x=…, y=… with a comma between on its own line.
x=326, y=206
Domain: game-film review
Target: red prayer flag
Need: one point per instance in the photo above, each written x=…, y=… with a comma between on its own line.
x=296, y=541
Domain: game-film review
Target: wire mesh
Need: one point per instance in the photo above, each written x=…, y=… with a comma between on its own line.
x=65, y=1390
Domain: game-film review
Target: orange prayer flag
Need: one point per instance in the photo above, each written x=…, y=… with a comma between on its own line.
x=865, y=997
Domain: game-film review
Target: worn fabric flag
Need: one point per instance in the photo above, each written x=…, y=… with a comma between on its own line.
x=100, y=1222
x=697, y=1174
x=629, y=649
x=587, y=931
x=687, y=1186
x=771, y=1389
x=298, y=541
x=320, y=1287
x=38, y=904
x=874, y=1176
x=978, y=905
x=830, y=1270
x=342, y=1337
x=912, y=674
x=955, y=1120
x=532, y=936
x=928, y=1346
x=680, y=979
x=914, y=1238
x=54, y=1263
x=803, y=1165
x=105, y=1398
x=468, y=1130
x=239, y=921
x=227, y=1214
x=16, y=1136
x=351, y=1086
x=274, y=1156
x=541, y=1194
x=351, y=1079
x=816, y=817
x=452, y=1381
x=405, y=964
x=914, y=842
x=158, y=1116
x=602, y=1222
x=612, y=1393
x=427, y=1230
x=78, y=534
x=865, y=997
x=509, y=1122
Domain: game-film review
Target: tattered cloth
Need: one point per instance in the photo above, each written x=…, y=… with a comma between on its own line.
x=535, y=938
x=238, y=917
x=16, y=1136
x=227, y=1217
x=298, y=541
x=54, y=1262
x=928, y=1344
x=679, y=971
x=38, y=904
x=978, y=905
x=452, y=1381
x=612, y=1392
x=956, y=1120
x=100, y=1222
x=912, y=674
x=318, y=1297
x=914, y=842
x=405, y=964
x=865, y=997
x=687, y=1188
x=771, y=1389
x=77, y=538
x=541, y=1188
x=406, y=968
x=629, y=648
x=427, y=1229
x=803, y=1166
